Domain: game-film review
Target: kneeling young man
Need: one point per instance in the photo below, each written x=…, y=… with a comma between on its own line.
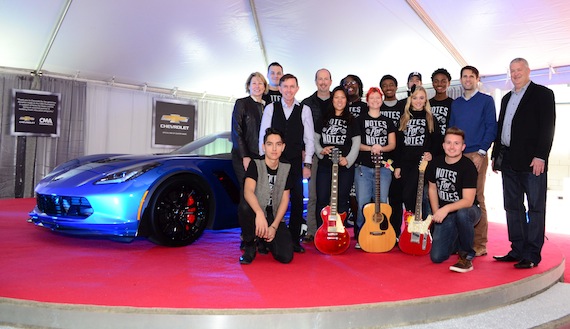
x=452, y=188
x=266, y=197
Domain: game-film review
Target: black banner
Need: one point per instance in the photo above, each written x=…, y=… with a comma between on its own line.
x=173, y=122
x=35, y=113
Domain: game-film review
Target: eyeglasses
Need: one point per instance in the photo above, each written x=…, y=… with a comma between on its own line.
x=349, y=83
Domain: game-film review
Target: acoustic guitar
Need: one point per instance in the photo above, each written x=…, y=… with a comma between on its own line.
x=377, y=234
x=416, y=237
x=332, y=238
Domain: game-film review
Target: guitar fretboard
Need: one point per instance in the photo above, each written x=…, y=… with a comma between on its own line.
x=334, y=189
x=419, y=196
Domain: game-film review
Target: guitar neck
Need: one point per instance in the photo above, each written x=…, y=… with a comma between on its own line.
x=334, y=189
x=377, y=189
x=419, y=196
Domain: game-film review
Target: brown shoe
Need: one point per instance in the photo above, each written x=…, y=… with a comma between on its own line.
x=463, y=265
x=480, y=252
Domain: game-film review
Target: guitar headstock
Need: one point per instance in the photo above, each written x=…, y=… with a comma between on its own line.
x=376, y=158
x=335, y=155
x=423, y=165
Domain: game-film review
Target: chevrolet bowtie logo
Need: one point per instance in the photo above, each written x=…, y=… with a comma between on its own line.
x=174, y=118
x=27, y=118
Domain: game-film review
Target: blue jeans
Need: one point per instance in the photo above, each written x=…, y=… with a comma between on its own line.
x=365, y=184
x=455, y=233
x=526, y=233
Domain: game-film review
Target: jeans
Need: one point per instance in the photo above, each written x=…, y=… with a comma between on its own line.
x=365, y=184
x=525, y=233
x=455, y=233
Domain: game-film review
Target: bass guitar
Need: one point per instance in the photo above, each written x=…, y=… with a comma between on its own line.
x=377, y=234
x=416, y=237
x=332, y=238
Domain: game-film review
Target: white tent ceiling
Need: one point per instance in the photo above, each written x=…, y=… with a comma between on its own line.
x=212, y=46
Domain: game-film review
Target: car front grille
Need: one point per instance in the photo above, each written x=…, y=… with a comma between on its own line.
x=64, y=206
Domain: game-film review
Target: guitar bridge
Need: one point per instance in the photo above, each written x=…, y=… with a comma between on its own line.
x=415, y=238
x=377, y=233
x=332, y=236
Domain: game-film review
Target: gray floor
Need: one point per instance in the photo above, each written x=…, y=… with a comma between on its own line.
x=540, y=310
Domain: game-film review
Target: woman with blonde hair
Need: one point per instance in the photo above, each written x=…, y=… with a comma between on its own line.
x=418, y=139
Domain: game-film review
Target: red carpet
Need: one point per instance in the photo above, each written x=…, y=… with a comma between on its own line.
x=42, y=266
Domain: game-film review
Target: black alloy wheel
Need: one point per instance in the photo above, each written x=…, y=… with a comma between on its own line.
x=179, y=211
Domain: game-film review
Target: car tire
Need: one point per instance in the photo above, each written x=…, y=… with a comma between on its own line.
x=179, y=211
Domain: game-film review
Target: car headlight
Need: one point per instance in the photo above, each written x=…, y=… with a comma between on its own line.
x=126, y=174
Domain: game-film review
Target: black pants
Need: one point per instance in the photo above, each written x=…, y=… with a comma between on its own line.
x=296, y=214
x=395, y=201
x=281, y=246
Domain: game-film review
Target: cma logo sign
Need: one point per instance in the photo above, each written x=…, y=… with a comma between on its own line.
x=46, y=121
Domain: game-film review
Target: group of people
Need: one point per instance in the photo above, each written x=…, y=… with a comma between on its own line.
x=279, y=141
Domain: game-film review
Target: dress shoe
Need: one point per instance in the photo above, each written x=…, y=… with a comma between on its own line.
x=525, y=263
x=506, y=258
x=298, y=248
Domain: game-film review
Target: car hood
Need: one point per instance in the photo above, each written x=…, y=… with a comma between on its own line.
x=89, y=169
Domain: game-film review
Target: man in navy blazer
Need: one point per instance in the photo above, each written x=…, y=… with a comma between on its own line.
x=520, y=152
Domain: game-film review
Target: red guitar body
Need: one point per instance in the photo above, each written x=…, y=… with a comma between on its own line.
x=415, y=239
x=332, y=238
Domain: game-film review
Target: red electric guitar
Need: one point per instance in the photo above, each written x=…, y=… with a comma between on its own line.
x=332, y=238
x=377, y=234
x=416, y=237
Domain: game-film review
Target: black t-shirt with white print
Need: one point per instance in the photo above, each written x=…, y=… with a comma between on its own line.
x=451, y=179
x=416, y=139
x=442, y=112
x=272, y=175
x=338, y=132
x=357, y=108
x=373, y=131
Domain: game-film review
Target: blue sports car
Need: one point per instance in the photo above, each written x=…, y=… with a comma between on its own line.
x=169, y=198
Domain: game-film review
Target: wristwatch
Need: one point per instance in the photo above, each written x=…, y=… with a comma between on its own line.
x=307, y=165
x=482, y=153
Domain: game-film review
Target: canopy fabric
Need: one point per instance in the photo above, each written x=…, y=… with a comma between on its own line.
x=211, y=47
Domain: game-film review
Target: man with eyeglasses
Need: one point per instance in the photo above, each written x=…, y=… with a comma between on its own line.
x=353, y=86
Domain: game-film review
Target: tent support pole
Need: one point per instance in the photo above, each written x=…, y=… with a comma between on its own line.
x=437, y=32
x=258, y=31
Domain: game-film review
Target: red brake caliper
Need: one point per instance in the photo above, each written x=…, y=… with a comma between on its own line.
x=190, y=212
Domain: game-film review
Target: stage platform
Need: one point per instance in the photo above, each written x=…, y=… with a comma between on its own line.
x=55, y=281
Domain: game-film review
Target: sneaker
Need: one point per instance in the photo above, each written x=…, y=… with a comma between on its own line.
x=357, y=246
x=463, y=265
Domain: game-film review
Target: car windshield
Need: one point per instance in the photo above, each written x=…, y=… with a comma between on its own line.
x=209, y=145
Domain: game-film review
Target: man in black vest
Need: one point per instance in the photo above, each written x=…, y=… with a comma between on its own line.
x=295, y=121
